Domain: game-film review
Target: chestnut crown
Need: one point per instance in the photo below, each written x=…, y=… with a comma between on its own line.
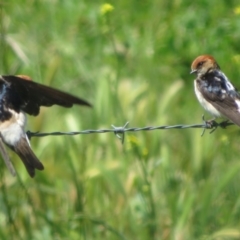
x=203, y=64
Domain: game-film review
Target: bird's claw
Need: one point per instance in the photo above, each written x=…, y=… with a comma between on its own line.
x=212, y=124
x=209, y=124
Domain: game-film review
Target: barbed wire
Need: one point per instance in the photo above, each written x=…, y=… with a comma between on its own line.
x=120, y=131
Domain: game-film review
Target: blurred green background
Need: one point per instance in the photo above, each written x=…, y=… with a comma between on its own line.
x=130, y=59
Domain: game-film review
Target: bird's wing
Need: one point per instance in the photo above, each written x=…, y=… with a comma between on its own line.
x=31, y=95
x=226, y=102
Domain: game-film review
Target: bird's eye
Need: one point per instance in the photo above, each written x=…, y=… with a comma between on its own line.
x=200, y=64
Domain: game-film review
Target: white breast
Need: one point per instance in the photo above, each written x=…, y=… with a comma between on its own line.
x=207, y=106
x=12, y=130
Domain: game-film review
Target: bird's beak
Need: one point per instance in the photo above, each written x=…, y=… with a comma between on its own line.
x=193, y=71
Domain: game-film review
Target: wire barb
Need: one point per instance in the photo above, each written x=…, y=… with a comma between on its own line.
x=210, y=124
x=120, y=130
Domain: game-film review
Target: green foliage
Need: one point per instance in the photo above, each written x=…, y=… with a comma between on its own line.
x=131, y=60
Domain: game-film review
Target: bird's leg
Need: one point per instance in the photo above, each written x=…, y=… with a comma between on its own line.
x=210, y=124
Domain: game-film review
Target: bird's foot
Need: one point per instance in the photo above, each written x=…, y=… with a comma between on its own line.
x=209, y=124
x=212, y=124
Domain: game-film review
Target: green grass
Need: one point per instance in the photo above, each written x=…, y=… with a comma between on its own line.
x=132, y=64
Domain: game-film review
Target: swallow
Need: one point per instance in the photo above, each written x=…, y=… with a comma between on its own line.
x=19, y=96
x=214, y=90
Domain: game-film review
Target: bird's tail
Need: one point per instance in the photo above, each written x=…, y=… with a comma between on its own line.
x=27, y=156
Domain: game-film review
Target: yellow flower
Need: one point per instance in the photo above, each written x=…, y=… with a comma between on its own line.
x=133, y=140
x=236, y=58
x=224, y=139
x=145, y=152
x=237, y=10
x=106, y=8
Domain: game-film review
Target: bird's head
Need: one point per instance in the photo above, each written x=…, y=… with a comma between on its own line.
x=204, y=64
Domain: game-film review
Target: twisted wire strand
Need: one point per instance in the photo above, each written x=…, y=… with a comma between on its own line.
x=213, y=125
x=118, y=131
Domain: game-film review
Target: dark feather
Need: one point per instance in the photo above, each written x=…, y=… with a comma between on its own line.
x=27, y=156
x=224, y=102
x=29, y=96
